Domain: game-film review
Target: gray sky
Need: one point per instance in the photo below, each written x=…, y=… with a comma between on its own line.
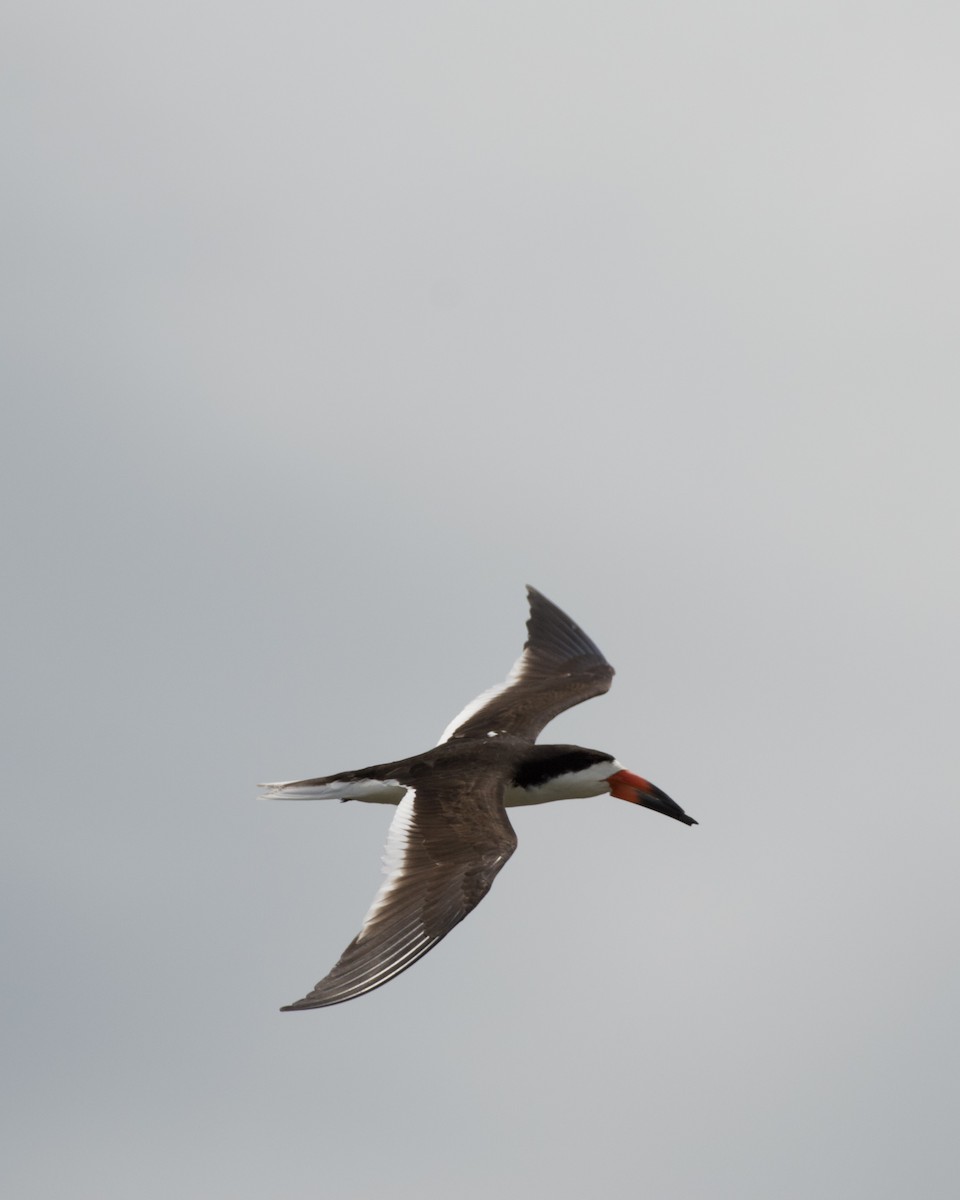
x=327, y=328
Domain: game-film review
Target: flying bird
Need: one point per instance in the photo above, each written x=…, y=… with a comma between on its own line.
x=451, y=835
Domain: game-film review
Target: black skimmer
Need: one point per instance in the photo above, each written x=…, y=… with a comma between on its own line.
x=451, y=834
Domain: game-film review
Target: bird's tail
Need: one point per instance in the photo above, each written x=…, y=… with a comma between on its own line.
x=372, y=791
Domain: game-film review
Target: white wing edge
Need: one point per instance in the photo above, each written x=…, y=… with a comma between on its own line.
x=394, y=857
x=517, y=672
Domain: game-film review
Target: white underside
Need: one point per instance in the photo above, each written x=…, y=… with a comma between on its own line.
x=573, y=786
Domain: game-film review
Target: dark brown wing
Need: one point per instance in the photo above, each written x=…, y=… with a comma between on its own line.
x=559, y=667
x=447, y=842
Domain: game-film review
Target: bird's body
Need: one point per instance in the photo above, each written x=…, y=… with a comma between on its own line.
x=451, y=835
x=533, y=774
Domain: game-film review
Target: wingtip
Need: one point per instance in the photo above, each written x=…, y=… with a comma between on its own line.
x=298, y=1005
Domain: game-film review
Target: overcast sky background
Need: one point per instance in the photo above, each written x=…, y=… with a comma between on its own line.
x=327, y=328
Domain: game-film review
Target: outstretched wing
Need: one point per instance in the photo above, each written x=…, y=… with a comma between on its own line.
x=559, y=667
x=446, y=844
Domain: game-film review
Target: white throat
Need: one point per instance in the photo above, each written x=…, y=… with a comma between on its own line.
x=572, y=785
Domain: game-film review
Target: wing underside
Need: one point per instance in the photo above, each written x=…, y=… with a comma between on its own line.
x=444, y=849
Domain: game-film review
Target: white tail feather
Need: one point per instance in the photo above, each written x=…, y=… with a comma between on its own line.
x=372, y=791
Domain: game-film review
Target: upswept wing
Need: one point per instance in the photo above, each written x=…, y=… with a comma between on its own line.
x=559, y=667
x=445, y=846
